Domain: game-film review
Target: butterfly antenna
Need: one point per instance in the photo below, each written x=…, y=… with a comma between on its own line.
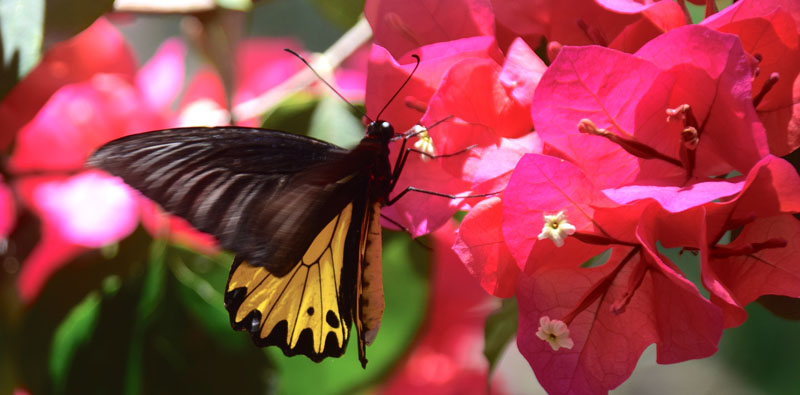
x=401, y=87
x=329, y=85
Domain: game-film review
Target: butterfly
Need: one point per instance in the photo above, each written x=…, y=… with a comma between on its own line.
x=301, y=215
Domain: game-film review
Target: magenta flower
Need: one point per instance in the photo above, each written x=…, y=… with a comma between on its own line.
x=768, y=31
x=401, y=27
x=621, y=24
x=420, y=213
x=637, y=144
x=613, y=311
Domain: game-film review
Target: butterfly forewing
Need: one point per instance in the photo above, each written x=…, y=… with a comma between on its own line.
x=245, y=186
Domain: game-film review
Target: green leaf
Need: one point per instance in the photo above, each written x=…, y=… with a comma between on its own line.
x=152, y=291
x=333, y=122
x=64, y=19
x=21, y=36
x=292, y=114
x=597, y=260
x=406, y=292
x=501, y=326
x=66, y=288
x=179, y=345
x=238, y=5
x=200, y=284
x=75, y=331
x=344, y=13
x=765, y=351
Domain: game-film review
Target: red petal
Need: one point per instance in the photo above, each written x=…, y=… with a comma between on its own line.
x=480, y=246
x=161, y=79
x=403, y=26
x=98, y=49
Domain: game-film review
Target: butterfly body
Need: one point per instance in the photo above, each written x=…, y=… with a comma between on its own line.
x=301, y=215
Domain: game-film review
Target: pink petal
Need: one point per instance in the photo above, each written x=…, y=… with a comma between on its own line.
x=604, y=86
x=98, y=49
x=401, y=27
x=480, y=246
x=607, y=344
x=771, y=187
x=418, y=212
x=522, y=71
x=90, y=209
x=481, y=115
x=491, y=166
x=770, y=29
x=676, y=198
x=543, y=185
x=713, y=75
x=772, y=271
x=76, y=120
x=677, y=303
x=161, y=79
x=47, y=257
x=599, y=335
x=385, y=75
x=262, y=64
x=619, y=24
x=658, y=18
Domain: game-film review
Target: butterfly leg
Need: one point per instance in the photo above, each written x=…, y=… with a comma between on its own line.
x=405, y=230
x=404, y=152
x=444, y=195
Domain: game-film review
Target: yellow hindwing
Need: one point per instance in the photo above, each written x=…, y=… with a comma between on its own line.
x=307, y=299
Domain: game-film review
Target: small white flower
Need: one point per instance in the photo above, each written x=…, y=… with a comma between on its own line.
x=556, y=228
x=204, y=112
x=555, y=333
x=424, y=142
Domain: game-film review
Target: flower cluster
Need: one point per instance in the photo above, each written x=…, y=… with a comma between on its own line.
x=643, y=133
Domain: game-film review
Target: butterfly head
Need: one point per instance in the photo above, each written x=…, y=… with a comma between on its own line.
x=381, y=131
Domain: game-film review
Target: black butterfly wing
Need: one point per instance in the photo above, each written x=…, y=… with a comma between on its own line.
x=299, y=213
x=310, y=310
x=261, y=193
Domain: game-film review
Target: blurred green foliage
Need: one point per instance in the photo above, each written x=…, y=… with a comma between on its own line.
x=21, y=35
x=500, y=330
x=151, y=320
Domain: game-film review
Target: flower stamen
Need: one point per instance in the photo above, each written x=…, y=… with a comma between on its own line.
x=424, y=143
x=631, y=146
x=768, y=84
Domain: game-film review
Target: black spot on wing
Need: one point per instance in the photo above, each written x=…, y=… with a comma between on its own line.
x=251, y=323
x=332, y=319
